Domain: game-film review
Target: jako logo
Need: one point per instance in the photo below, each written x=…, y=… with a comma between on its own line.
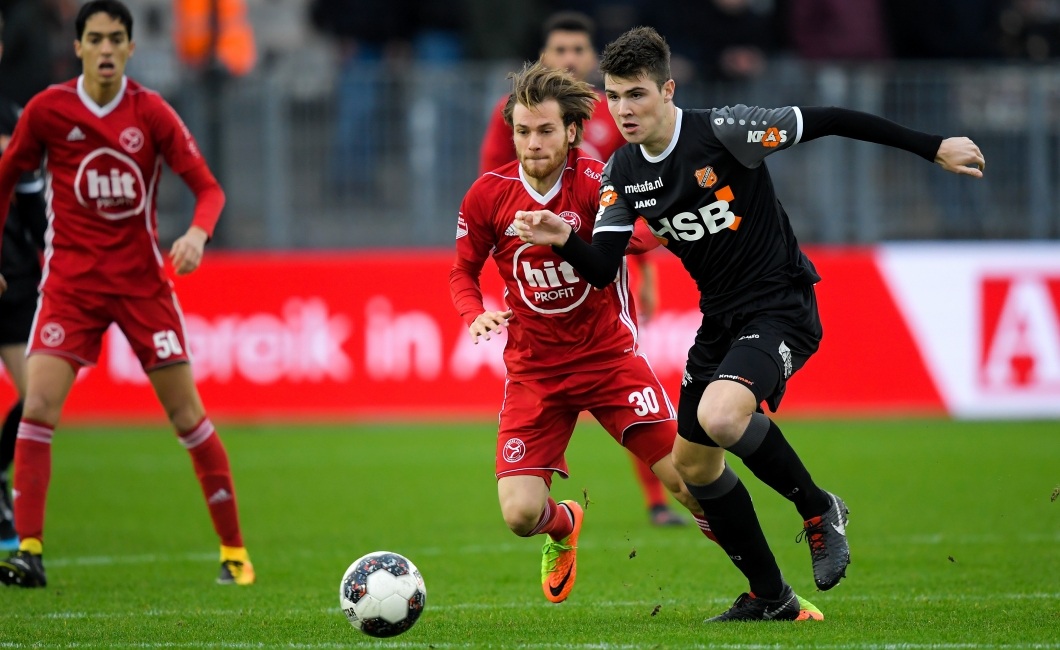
x=692, y=226
x=1021, y=333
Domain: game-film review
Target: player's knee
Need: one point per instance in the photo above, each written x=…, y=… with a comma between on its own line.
x=724, y=426
x=522, y=516
x=698, y=465
x=42, y=408
x=681, y=493
x=185, y=417
x=685, y=464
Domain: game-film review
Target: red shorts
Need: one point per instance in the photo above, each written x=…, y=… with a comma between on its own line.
x=71, y=325
x=538, y=417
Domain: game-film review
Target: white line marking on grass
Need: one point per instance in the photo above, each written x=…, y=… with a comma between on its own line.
x=108, y=560
x=616, y=604
x=556, y=646
x=929, y=539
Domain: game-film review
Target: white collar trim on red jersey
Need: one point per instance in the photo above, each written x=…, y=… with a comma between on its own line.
x=90, y=104
x=543, y=199
x=673, y=140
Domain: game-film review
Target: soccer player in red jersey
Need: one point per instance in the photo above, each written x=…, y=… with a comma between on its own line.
x=570, y=348
x=568, y=45
x=104, y=138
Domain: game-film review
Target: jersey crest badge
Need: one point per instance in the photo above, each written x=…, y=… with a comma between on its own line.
x=706, y=177
x=132, y=139
x=572, y=219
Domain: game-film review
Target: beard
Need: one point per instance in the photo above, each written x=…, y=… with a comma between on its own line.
x=544, y=168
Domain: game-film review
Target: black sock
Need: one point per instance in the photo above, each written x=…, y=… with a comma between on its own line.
x=728, y=507
x=766, y=452
x=8, y=435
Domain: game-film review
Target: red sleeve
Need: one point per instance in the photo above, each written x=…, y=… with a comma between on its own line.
x=174, y=140
x=642, y=240
x=473, y=246
x=209, y=197
x=497, y=148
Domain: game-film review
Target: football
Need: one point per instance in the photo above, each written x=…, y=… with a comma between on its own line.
x=382, y=594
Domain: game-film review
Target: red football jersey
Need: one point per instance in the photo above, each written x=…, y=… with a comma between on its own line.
x=104, y=164
x=600, y=137
x=560, y=323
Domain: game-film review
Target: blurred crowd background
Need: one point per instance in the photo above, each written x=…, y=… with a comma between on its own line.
x=357, y=123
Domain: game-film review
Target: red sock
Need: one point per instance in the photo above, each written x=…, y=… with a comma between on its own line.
x=33, y=471
x=704, y=528
x=211, y=467
x=555, y=520
x=654, y=491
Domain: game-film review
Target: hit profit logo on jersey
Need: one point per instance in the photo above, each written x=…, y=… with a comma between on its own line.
x=110, y=183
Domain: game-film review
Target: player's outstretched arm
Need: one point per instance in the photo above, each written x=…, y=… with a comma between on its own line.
x=186, y=253
x=489, y=322
x=961, y=156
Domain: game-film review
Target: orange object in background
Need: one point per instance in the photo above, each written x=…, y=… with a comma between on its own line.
x=192, y=36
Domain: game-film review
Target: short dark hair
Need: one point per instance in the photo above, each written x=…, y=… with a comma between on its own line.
x=567, y=21
x=113, y=8
x=641, y=50
x=537, y=83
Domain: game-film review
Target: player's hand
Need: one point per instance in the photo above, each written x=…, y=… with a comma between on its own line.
x=186, y=253
x=489, y=322
x=541, y=227
x=3, y=284
x=961, y=156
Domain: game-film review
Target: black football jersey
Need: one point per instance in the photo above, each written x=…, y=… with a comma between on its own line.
x=710, y=200
x=24, y=228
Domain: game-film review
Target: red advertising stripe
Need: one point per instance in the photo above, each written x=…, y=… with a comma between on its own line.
x=309, y=335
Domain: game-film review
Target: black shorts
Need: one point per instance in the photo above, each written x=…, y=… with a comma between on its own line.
x=16, y=318
x=760, y=345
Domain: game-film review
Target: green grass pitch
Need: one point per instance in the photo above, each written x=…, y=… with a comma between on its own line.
x=955, y=543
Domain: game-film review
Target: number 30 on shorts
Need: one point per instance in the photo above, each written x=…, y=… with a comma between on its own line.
x=167, y=344
x=644, y=401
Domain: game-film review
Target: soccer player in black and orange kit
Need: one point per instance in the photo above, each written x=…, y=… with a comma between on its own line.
x=568, y=45
x=23, y=241
x=698, y=177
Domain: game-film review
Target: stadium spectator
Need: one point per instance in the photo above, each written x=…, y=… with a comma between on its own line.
x=372, y=36
x=1030, y=30
x=23, y=239
x=570, y=348
x=502, y=30
x=25, y=69
x=838, y=30
x=699, y=180
x=567, y=45
x=102, y=136
x=943, y=29
x=946, y=30
x=719, y=40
